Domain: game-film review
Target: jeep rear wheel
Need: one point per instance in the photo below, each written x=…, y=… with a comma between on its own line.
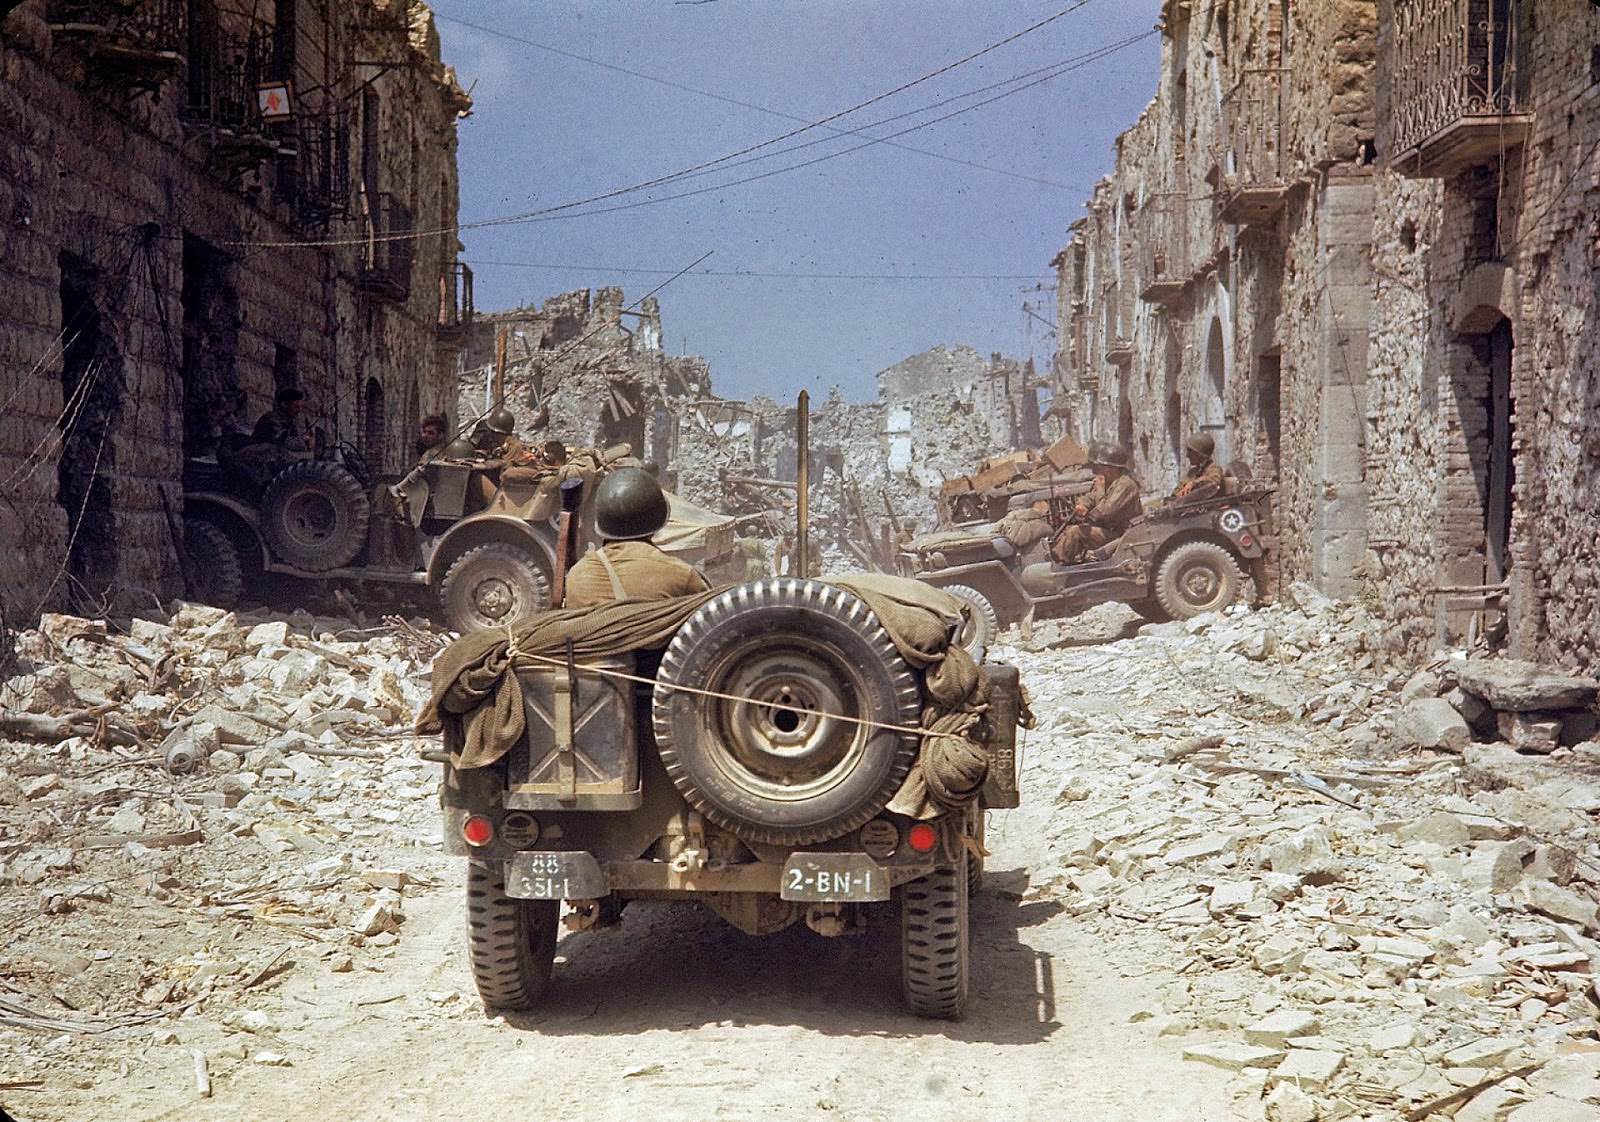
x=982, y=622
x=512, y=943
x=493, y=586
x=934, y=943
x=315, y=516
x=215, y=571
x=782, y=768
x=1197, y=577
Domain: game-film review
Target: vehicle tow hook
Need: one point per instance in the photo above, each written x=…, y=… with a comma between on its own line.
x=829, y=920
x=689, y=861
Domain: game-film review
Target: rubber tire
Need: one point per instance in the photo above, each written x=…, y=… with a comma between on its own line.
x=935, y=943
x=304, y=548
x=511, y=943
x=520, y=570
x=715, y=644
x=1169, y=592
x=213, y=562
x=978, y=634
x=975, y=862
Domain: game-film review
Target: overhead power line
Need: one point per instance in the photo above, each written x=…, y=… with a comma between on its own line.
x=480, y=263
x=725, y=99
x=661, y=180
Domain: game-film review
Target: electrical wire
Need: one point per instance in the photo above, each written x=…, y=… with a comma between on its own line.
x=477, y=263
x=673, y=176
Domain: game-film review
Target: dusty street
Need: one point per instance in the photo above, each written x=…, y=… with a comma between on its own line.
x=1153, y=931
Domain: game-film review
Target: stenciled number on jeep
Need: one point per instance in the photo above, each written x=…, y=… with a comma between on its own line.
x=1231, y=520
x=824, y=882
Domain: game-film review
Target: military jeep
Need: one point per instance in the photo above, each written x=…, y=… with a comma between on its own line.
x=1176, y=561
x=748, y=766
x=482, y=540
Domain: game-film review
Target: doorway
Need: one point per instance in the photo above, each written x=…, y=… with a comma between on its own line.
x=1499, y=470
x=1213, y=416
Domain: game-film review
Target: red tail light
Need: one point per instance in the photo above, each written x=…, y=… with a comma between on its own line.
x=1246, y=540
x=922, y=837
x=477, y=830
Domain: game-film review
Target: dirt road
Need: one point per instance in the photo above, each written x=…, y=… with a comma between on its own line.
x=677, y=1015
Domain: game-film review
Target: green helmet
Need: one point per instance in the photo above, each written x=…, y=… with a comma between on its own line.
x=1201, y=444
x=501, y=421
x=629, y=504
x=459, y=449
x=1104, y=454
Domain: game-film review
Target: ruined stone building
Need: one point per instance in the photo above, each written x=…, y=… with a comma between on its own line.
x=1355, y=242
x=200, y=204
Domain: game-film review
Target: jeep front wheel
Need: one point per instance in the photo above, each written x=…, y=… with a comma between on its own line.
x=512, y=943
x=934, y=943
x=1197, y=577
x=493, y=586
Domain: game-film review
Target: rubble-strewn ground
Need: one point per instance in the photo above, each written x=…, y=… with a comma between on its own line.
x=1185, y=921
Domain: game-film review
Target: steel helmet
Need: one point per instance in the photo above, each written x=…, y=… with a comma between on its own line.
x=629, y=504
x=1104, y=454
x=1201, y=444
x=459, y=449
x=501, y=421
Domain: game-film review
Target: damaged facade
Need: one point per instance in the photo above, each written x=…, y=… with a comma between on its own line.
x=1355, y=242
x=202, y=205
x=585, y=368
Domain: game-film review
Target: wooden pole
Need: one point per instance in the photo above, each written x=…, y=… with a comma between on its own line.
x=500, y=363
x=801, y=565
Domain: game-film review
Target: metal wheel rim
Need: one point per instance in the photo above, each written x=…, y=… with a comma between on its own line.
x=780, y=747
x=1199, y=583
x=494, y=598
x=310, y=517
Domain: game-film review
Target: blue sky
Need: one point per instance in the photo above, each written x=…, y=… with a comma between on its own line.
x=548, y=130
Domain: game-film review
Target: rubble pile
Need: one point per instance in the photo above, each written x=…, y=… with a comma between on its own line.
x=1358, y=925
x=191, y=808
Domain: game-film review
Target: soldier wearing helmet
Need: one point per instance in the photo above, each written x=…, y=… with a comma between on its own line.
x=630, y=508
x=1204, y=478
x=1102, y=516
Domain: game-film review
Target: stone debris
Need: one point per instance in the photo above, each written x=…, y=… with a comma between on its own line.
x=1362, y=961
x=149, y=898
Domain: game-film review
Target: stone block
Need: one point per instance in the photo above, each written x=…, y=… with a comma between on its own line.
x=1510, y=684
x=1560, y=903
x=1308, y=1067
x=1432, y=722
x=1437, y=828
x=1276, y=1029
x=1549, y=1108
x=1483, y=1052
x=1232, y=1056
x=1422, y=684
x=1288, y=1103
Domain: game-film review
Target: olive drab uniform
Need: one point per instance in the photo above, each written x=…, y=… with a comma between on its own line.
x=1023, y=528
x=1110, y=507
x=630, y=570
x=1202, y=481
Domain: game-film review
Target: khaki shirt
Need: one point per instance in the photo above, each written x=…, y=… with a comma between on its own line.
x=1116, y=506
x=637, y=571
x=1200, y=482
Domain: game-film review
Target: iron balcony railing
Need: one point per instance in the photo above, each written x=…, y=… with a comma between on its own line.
x=140, y=39
x=322, y=168
x=224, y=76
x=1162, y=261
x=388, y=248
x=1251, y=160
x=1452, y=63
x=455, y=299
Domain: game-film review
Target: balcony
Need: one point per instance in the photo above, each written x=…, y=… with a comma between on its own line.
x=135, y=44
x=1161, y=270
x=388, y=246
x=455, y=301
x=322, y=169
x=1253, y=185
x=1457, y=96
x=222, y=107
x=1119, y=351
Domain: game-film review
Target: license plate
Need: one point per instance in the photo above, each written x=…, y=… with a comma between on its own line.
x=555, y=876
x=833, y=877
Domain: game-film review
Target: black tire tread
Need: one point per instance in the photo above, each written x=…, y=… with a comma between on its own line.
x=511, y=943
x=520, y=559
x=1166, y=588
x=214, y=563
x=347, y=493
x=935, y=943
x=785, y=592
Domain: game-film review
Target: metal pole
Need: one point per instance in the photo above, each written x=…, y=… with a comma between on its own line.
x=500, y=363
x=802, y=537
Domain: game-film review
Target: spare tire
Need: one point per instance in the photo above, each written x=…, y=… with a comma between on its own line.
x=778, y=768
x=315, y=516
x=981, y=623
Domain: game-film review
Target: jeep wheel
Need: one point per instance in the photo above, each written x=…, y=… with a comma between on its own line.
x=493, y=586
x=315, y=516
x=216, y=574
x=982, y=622
x=779, y=768
x=512, y=943
x=934, y=943
x=1197, y=577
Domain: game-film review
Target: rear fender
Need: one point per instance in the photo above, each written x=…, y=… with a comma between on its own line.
x=538, y=539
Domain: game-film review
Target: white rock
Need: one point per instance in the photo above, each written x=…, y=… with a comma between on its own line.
x=1484, y=1052
x=1551, y=1109
x=1438, y=828
x=1560, y=903
x=1393, y=1036
x=1308, y=1067
x=274, y=634
x=1233, y=1056
x=1432, y=722
x=1230, y=896
x=1279, y=1027
x=1288, y=1103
